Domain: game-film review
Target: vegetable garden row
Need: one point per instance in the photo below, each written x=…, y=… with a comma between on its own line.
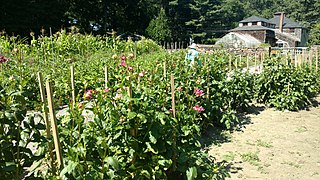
x=148, y=108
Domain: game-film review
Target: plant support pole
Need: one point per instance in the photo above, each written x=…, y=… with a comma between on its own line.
x=54, y=125
x=106, y=76
x=46, y=120
x=72, y=87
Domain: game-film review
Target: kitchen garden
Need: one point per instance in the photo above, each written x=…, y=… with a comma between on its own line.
x=148, y=110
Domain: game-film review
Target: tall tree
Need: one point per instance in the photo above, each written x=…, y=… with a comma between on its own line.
x=159, y=29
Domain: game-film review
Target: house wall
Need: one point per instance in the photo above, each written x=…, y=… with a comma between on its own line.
x=291, y=43
x=304, y=38
x=265, y=36
x=300, y=33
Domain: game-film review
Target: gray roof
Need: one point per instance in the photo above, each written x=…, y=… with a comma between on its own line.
x=251, y=28
x=287, y=23
x=254, y=19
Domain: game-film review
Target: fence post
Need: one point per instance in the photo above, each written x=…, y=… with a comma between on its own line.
x=46, y=120
x=54, y=125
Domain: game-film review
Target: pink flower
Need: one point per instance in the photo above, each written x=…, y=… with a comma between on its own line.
x=80, y=105
x=142, y=73
x=123, y=57
x=123, y=63
x=3, y=59
x=198, y=92
x=198, y=108
x=130, y=68
x=119, y=90
x=118, y=97
x=88, y=94
x=179, y=88
x=106, y=90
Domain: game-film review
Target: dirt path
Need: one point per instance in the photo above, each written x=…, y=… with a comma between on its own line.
x=274, y=145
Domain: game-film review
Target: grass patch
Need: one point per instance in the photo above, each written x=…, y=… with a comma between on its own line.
x=263, y=144
x=301, y=129
x=251, y=157
x=292, y=164
x=229, y=157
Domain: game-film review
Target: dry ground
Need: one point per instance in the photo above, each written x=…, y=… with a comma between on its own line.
x=273, y=145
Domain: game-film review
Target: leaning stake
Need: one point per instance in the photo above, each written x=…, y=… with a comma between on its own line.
x=45, y=117
x=54, y=125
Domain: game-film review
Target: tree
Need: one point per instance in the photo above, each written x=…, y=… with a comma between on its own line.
x=314, y=37
x=159, y=29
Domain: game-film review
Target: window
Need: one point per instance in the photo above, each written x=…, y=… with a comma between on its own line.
x=291, y=30
x=254, y=23
x=245, y=24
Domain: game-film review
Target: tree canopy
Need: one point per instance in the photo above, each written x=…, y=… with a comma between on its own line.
x=203, y=20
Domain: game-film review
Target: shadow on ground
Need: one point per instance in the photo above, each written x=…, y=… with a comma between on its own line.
x=219, y=135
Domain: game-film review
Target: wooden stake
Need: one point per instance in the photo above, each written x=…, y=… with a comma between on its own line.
x=255, y=60
x=172, y=95
x=54, y=125
x=236, y=64
x=106, y=76
x=247, y=62
x=46, y=120
x=317, y=56
x=72, y=87
x=230, y=63
x=164, y=70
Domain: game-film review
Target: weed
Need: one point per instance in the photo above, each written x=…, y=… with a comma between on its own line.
x=251, y=157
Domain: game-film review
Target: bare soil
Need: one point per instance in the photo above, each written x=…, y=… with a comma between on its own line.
x=272, y=145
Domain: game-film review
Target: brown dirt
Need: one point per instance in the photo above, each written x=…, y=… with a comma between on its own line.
x=273, y=145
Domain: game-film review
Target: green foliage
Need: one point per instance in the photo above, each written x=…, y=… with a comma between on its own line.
x=314, y=37
x=285, y=86
x=159, y=29
x=17, y=132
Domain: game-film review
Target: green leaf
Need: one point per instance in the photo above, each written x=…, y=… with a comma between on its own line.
x=113, y=162
x=131, y=115
x=192, y=173
x=152, y=138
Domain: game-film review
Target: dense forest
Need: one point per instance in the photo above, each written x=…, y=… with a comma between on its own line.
x=164, y=20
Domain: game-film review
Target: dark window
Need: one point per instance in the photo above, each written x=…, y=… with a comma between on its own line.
x=254, y=23
x=291, y=30
x=245, y=24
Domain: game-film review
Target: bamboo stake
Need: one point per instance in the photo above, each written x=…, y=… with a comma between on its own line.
x=317, y=56
x=106, y=76
x=172, y=95
x=236, y=64
x=54, y=125
x=72, y=87
x=46, y=120
x=255, y=60
x=164, y=70
x=247, y=62
x=229, y=63
x=174, y=158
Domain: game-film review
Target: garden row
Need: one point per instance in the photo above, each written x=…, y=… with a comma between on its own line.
x=148, y=111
